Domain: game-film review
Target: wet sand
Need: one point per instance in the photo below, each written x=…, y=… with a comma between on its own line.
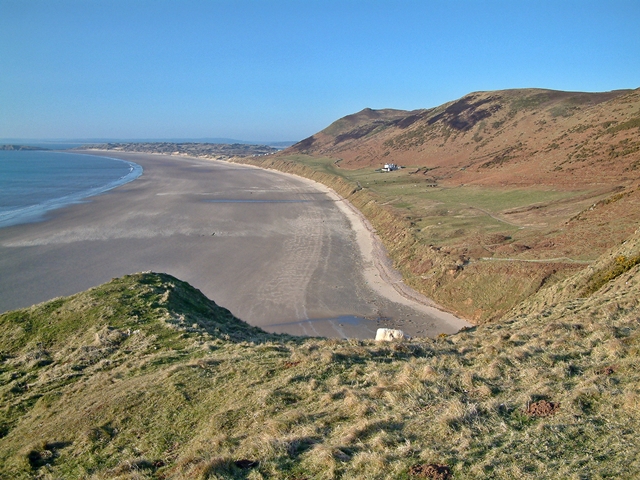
x=281, y=252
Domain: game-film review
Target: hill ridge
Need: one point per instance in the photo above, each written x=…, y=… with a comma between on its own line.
x=493, y=130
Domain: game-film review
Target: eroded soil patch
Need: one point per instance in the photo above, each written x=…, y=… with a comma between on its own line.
x=542, y=408
x=431, y=470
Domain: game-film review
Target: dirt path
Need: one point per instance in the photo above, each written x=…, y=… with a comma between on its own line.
x=495, y=217
x=537, y=260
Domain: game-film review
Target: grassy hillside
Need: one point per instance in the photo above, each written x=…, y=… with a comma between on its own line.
x=144, y=377
x=502, y=192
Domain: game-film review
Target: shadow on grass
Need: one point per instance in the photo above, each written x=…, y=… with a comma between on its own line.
x=47, y=455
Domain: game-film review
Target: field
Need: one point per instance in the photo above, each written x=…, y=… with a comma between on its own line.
x=450, y=214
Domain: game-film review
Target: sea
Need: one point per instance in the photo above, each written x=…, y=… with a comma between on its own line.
x=34, y=182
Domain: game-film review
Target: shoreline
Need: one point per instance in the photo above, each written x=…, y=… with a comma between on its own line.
x=378, y=271
x=282, y=252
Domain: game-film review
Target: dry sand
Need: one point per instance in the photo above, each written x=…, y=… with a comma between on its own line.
x=281, y=252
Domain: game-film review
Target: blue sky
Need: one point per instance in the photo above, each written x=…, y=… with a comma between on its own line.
x=284, y=69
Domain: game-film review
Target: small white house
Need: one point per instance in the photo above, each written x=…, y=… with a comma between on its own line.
x=389, y=167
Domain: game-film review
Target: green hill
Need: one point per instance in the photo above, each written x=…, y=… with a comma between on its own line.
x=144, y=377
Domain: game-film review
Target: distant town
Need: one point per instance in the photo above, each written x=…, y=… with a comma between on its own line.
x=218, y=151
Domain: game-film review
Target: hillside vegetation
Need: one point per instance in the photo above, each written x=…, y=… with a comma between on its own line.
x=144, y=377
x=525, y=137
x=502, y=192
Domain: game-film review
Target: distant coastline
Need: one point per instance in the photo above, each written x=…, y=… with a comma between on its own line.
x=216, y=151
x=21, y=148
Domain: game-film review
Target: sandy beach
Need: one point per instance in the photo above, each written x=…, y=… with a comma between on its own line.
x=281, y=252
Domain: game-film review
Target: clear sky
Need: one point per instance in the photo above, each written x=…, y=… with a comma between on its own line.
x=284, y=69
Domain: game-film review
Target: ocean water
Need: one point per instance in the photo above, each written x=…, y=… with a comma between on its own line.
x=33, y=183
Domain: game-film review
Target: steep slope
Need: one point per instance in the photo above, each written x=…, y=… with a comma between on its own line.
x=516, y=137
x=144, y=377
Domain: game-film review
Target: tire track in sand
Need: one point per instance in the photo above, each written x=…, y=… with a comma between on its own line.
x=287, y=289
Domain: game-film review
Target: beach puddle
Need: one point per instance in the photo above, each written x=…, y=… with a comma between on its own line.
x=247, y=200
x=346, y=326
